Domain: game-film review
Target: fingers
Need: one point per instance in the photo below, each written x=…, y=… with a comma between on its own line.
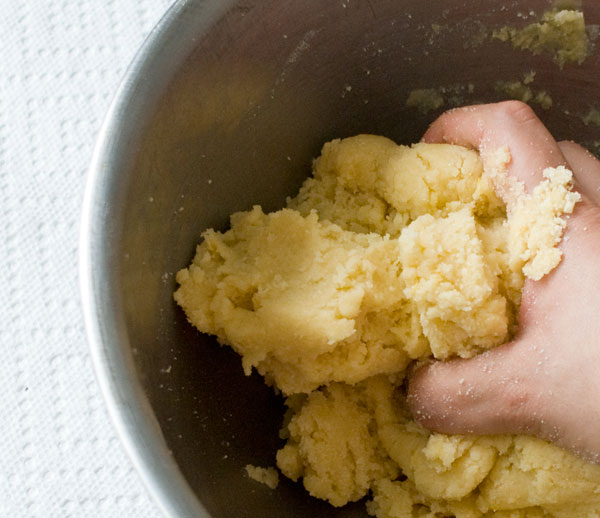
x=586, y=169
x=488, y=394
x=513, y=124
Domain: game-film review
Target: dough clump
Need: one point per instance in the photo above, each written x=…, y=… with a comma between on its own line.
x=267, y=476
x=561, y=33
x=390, y=255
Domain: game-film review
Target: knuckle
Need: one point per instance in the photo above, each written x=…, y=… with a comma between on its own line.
x=569, y=145
x=519, y=408
x=517, y=111
x=566, y=143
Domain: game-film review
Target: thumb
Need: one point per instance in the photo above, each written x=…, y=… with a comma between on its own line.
x=488, y=394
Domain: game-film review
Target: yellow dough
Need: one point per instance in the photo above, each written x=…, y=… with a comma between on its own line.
x=559, y=32
x=390, y=255
x=267, y=476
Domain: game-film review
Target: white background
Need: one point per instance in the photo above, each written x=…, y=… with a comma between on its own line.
x=60, y=64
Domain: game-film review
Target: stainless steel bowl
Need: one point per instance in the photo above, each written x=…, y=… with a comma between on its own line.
x=223, y=108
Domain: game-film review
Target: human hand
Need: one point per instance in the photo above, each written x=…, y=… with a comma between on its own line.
x=546, y=382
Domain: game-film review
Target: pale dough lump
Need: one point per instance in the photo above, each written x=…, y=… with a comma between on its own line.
x=387, y=256
x=267, y=476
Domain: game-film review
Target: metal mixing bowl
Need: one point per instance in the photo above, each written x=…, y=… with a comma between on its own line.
x=225, y=107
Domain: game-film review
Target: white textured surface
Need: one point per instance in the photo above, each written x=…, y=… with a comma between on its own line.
x=60, y=64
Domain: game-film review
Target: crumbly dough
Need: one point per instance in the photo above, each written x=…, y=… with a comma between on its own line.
x=430, y=99
x=592, y=117
x=561, y=33
x=425, y=99
x=522, y=91
x=267, y=476
x=389, y=255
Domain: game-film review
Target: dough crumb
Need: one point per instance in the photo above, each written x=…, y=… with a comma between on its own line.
x=425, y=99
x=267, y=476
x=529, y=77
x=543, y=99
x=521, y=90
x=592, y=117
x=430, y=99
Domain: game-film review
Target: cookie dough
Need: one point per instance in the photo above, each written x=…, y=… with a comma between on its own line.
x=390, y=255
x=592, y=117
x=425, y=99
x=522, y=91
x=561, y=33
x=267, y=476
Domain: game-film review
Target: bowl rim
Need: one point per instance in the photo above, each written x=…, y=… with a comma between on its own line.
x=127, y=405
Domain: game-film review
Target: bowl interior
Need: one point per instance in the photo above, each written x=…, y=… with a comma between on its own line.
x=232, y=116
